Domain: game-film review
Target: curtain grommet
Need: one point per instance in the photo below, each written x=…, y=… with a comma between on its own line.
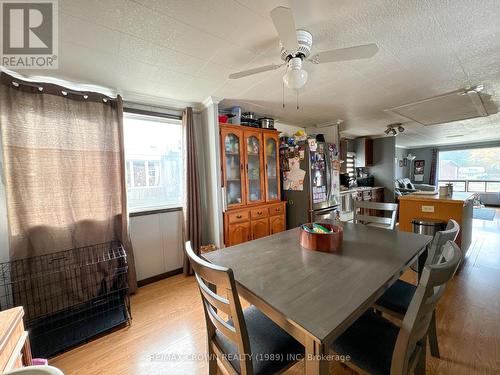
x=15, y=84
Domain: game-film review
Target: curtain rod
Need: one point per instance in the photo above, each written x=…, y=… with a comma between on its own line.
x=64, y=90
x=151, y=113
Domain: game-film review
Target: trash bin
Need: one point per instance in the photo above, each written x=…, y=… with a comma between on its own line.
x=428, y=226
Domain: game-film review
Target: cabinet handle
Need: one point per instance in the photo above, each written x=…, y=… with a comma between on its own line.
x=238, y=216
x=241, y=166
x=259, y=212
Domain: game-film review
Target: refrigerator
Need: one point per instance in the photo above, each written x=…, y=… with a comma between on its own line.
x=311, y=182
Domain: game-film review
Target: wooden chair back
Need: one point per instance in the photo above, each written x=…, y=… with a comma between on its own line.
x=410, y=344
x=361, y=218
x=219, y=294
x=440, y=238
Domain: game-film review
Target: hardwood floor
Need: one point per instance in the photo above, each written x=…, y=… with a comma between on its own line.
x=167, y=335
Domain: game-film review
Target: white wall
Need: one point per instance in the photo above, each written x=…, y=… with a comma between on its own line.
x=330, y=132
x=289, y=130
x=384, y=158
x=213, y=223
x=4, y=226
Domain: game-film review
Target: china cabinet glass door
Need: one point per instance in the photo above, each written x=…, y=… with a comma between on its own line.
x=233, y=169
x=272, y=177
x=254, y=168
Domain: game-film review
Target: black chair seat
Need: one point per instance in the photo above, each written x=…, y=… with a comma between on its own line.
x=398, y=297
x=370, y=342
x=266, y=339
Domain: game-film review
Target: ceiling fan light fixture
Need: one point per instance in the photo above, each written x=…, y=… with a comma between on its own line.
x=296, y=77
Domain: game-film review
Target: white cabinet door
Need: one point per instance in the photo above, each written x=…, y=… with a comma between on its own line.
x=171, y=230
x=157, y=242
x=146, y=240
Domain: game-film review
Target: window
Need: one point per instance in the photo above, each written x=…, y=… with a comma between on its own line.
x=474, y=170
x=153, y=156
x=350, y=167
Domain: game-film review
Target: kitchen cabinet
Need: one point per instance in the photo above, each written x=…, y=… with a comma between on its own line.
x=251, y=179
x=272, y=161
x=233, y=166
x=260, y=228
x=254, y=222
x=277, y=224
x=238, y=233
x=254, y=167
x=364, y=152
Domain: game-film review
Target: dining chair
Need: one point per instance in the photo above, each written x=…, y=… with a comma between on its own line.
x=396, y=300
x=248, y=343
x=375, y=345
x=377, y=221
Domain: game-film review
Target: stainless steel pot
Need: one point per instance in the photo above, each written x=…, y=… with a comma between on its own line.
x=248, y=115
x=266, y=123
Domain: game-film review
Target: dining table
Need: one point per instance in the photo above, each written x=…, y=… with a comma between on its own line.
x=315, y=296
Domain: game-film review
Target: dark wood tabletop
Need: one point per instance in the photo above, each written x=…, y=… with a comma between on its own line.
x=321, y=293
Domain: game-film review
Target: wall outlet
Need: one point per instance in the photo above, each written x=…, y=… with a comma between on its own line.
x=427, y=208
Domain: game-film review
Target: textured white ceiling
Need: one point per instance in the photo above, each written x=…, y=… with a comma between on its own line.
x=185, y=49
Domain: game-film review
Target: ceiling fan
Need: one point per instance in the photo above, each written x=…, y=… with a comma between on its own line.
x=296, y=48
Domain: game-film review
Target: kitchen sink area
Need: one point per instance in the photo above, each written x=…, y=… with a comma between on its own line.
x=361, y=193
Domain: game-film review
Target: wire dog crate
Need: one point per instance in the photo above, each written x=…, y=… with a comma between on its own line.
x=68, y=296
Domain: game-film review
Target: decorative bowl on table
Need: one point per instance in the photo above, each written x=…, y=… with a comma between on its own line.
x=322, y=237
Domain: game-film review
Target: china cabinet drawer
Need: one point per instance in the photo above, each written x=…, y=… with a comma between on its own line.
x=259, y=213
x=277, y=209
x=238, y=216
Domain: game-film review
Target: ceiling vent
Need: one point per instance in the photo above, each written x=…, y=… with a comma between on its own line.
x=454, y=106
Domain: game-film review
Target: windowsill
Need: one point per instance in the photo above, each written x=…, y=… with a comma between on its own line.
x=153, y=211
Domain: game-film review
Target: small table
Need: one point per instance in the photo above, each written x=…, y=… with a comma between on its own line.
x=316, y=296
x=14, y=343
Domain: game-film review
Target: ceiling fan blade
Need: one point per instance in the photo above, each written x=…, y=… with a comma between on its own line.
x=342, y=54
x=250, y=72
x=285, y=26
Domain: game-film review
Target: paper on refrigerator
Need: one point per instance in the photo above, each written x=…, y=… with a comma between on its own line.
x=294, y=178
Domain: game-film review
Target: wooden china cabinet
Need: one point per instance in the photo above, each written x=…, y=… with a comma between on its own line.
x=251, y=178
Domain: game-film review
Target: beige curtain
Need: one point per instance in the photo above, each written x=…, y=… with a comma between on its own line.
x=64, y=169
x=192, y=206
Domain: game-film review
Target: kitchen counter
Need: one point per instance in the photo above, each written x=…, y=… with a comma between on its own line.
x=365, y=193
x=457, y=197
x=360, y=188
x=420, y=206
